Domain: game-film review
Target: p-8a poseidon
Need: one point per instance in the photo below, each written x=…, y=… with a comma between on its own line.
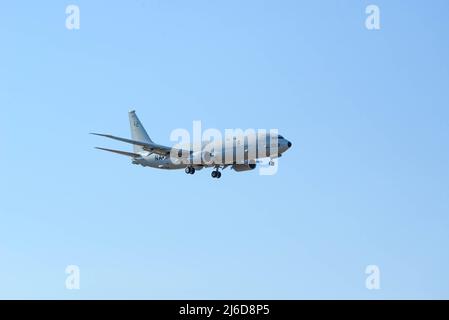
x=240, y=152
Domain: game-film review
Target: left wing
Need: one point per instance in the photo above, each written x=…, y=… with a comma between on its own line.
x=147, y=146
x=129, y=154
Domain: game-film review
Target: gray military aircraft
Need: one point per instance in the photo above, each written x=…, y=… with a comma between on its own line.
x=240, y=152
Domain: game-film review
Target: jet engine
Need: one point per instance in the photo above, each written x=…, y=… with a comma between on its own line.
x=244, y=167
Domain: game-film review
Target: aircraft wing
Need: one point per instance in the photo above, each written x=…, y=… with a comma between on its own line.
x=129, y=154
x=148, y=146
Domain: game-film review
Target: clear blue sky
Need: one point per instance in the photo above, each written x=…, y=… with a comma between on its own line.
x=366, y=181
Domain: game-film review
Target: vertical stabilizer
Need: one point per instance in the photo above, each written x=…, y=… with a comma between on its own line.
x=137, y=131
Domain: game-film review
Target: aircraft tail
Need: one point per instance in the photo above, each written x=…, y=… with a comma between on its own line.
x=137, y=131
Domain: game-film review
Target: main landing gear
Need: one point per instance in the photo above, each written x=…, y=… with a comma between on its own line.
x=190, y=170
x=216, y=174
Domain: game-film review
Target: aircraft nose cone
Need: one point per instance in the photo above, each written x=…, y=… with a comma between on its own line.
x=289, y=144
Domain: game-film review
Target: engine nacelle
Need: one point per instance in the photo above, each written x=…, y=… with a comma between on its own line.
x=244, y=167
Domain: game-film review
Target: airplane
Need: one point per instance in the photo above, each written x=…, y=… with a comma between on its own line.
x=219, y=154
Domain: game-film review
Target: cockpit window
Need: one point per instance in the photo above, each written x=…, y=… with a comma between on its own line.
x=280, y=137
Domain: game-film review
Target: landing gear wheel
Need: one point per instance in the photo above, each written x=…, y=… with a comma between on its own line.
x=218, y=174
x=214, y=174
x=190, y=170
